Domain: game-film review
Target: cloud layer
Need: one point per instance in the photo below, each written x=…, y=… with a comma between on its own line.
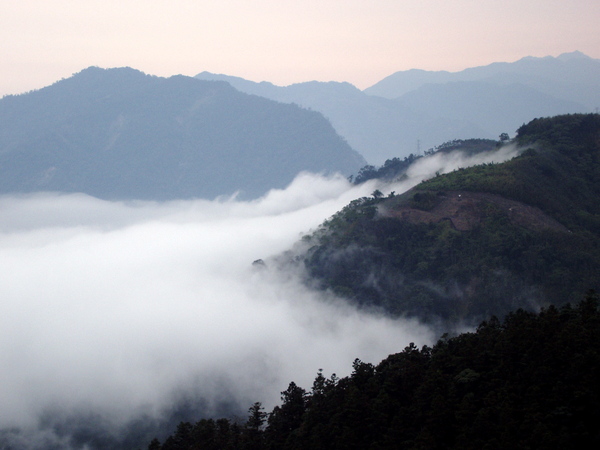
x=120, y=308
x=117, y=308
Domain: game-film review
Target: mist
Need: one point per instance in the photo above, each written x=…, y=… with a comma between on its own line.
x=124, y=310
x=440, y=163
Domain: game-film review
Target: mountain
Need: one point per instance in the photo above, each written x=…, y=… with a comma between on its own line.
x=570, y=76
x=476, y=242
x=414, y=110
x=121, y=134
x=491, y=107
x=377, y=128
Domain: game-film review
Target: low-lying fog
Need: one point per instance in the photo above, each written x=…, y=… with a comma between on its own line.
x=124, y=308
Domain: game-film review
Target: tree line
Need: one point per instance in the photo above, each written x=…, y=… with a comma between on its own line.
x=528, y=381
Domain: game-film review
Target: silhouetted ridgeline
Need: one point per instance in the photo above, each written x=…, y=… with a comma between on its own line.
x=529, y=381
x=120, y=134
x=418, y=108
x=393, y=169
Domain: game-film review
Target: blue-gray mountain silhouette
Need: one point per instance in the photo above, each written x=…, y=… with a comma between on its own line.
x=121, y=134
x=415, y=110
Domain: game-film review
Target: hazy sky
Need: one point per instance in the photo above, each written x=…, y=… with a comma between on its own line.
x=283, y=41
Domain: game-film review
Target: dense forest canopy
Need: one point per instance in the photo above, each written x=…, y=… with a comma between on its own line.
x=528, y=381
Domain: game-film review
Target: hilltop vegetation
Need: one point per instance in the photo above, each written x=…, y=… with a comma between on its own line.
x=393, y=169
x=479, y=241
x=559, y=173
x=529, y=381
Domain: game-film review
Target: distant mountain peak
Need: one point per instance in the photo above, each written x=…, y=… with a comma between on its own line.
x=565, y=57
x=572, y=55
x=99, y=71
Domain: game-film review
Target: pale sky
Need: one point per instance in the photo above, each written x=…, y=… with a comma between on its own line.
x=283, y=41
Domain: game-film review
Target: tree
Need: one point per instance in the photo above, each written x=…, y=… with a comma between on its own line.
x=154, y=444
x=253, y=429
x=285, y=419
x=256, y=417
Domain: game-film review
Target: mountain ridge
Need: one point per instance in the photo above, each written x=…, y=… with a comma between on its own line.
x=411, y=111
x=120, y=134
x=567, y=68
x=475, y=242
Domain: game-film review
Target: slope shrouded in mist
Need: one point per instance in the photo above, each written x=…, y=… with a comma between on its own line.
x=121, y=316
x=473, y=243
x=120, y=309
x=114, y=312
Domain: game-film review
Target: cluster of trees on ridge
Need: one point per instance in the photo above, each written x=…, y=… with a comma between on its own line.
x=394, y=168
x=528, y=381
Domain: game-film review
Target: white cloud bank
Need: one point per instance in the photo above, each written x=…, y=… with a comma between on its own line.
x=118, y=307
x=115, y=306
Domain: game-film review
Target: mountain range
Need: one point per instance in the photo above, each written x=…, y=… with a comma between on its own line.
x=457, y=248
x=121, y=134
x=414, y=110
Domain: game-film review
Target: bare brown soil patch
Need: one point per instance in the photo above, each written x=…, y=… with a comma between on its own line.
x=467, y=209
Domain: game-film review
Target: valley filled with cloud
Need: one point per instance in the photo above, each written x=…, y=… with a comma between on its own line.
x=125, y=310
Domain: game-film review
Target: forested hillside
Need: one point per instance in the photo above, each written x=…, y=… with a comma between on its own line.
x=475, y=242
x=514, y=243
x=121, y=134
x=528, y=381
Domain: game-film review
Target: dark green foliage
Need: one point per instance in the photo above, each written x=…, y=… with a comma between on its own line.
x=209, y=434
x=430, y=270
x=468, y=146
x=560, y=173
x=530, y=381
x=284, y=420
x=253, y=429
x=433, y=270
x=391, y=169
x=424, y=201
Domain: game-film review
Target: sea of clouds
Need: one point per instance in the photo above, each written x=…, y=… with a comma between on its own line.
x=121, y=309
